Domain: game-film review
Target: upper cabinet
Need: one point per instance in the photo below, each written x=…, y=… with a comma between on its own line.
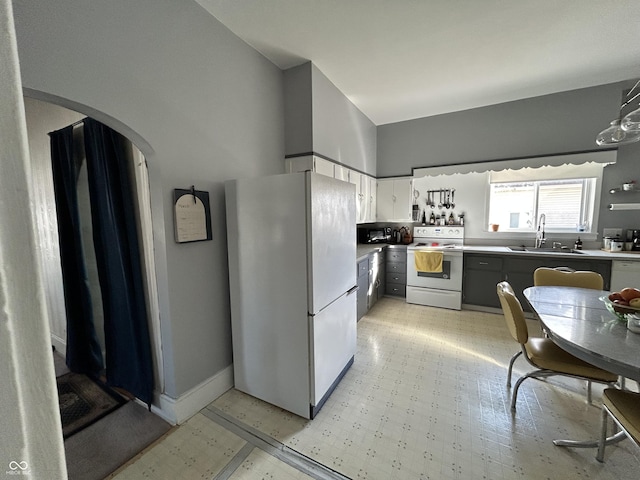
x=366, y=191
x=365, y=196
x=310, y=163
x=341, y=173
x=394, y=200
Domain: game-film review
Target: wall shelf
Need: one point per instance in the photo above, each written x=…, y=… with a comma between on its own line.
x=622, y=189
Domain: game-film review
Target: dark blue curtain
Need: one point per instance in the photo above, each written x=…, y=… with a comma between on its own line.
x=83, y=350
x=115, y=237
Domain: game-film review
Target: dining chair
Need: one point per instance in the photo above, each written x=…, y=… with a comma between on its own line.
x=568, y=277
x=563, y=277
x=623, y=407
x=542, y=353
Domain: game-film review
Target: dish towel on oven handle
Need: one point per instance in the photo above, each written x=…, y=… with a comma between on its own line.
x=429, y=262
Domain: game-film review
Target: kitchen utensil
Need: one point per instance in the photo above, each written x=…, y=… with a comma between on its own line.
x=448, y=203
x=440, y=204
x=432, y=199
x=453, y=192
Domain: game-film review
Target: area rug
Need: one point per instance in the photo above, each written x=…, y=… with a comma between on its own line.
x=83, y=401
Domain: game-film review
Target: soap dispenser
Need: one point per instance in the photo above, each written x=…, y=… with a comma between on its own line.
x=578, y=244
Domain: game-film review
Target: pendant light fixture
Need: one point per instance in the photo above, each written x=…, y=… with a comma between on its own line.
x=631, y=122
x=615, y=135
x=624, y=130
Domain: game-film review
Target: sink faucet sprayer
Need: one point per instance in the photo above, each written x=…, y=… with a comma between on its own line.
x=540, y=238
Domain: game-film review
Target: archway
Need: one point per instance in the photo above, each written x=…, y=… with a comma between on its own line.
x=45, y=113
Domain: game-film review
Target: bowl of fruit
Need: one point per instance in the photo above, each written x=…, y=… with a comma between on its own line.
x=622, y=303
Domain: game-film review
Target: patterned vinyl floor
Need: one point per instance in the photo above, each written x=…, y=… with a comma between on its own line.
x=425, y=399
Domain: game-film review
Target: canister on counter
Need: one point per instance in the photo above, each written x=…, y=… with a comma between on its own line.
x=616, y=245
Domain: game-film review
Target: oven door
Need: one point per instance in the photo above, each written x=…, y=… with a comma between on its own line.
x=449, y=279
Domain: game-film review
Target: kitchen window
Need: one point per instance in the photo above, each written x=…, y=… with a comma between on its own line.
x=567, y=204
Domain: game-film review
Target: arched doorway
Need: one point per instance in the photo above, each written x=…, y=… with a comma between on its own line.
x=43, y=117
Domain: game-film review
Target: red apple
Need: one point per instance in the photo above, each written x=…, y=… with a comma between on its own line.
x=615, y=296
x=630, y=293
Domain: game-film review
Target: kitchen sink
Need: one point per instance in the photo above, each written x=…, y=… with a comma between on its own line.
x=544, y=250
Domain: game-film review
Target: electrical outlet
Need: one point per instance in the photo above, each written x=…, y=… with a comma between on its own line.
x=612, y=232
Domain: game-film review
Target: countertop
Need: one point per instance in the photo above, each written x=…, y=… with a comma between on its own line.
x=601, y=254
x=363, y=250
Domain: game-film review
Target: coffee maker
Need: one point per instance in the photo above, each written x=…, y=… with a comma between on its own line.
x=635, y=240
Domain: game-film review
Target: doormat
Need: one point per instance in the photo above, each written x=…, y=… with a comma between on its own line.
x=83, y=402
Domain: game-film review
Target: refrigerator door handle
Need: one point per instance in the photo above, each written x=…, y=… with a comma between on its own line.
x=353, y=290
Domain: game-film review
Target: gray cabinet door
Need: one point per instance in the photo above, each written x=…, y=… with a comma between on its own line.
x=396, y=272
x=519, y=271
x=363, y=285
x=481, y=275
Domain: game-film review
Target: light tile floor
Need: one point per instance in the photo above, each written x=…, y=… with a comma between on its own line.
x=425, y=399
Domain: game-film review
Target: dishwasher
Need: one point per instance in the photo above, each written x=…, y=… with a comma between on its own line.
x=625, y=274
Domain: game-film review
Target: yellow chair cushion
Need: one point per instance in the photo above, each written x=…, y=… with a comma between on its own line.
x=625, y=406
x=545, y=354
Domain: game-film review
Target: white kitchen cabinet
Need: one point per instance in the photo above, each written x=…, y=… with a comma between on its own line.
x=340, y=172
x=394, y=200
x=365, y=196
x=356, y=179
x=310, y=163
x=371, y=199
x=366, y=189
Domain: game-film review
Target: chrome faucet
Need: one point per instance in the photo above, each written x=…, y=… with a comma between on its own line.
x=540, y=236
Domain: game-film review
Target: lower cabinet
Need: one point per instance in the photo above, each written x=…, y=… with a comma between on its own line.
x=519, y=271
x=376, y=277
x=363, y=286
x=396, y=271
x=482, y=272
x=371, y=281
x=481, y=275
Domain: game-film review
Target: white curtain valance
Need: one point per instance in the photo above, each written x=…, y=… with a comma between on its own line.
x=585, y=170
x=603, y=157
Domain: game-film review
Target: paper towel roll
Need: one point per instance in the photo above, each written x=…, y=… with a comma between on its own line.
x=624, y=206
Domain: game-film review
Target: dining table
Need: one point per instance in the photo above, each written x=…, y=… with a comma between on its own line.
x=578, y=321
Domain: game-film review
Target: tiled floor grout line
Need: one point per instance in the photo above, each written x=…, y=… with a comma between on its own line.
x=271, y=446
x=235, y=462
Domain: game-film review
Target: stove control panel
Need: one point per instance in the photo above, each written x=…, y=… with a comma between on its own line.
x=445, y=231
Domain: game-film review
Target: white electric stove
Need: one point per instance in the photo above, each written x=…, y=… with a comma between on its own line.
x=436, y=289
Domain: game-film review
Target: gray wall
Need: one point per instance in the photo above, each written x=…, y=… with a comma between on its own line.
x=320, y=119
x=298, y=117
x=201, y=105
x=547, y=125
x=625, y=170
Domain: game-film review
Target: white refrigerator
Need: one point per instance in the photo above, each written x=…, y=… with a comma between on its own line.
x=292, y=269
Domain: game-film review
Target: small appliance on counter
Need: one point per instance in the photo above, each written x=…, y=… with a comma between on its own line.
x=635, y=240
x=374, y=235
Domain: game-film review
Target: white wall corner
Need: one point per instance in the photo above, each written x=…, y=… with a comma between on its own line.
x=178, y=410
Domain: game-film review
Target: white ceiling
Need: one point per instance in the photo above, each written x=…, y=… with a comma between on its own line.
x=403, y=59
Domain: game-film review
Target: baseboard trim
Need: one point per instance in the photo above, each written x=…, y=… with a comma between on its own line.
x=59, y=344
x=178, y=410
